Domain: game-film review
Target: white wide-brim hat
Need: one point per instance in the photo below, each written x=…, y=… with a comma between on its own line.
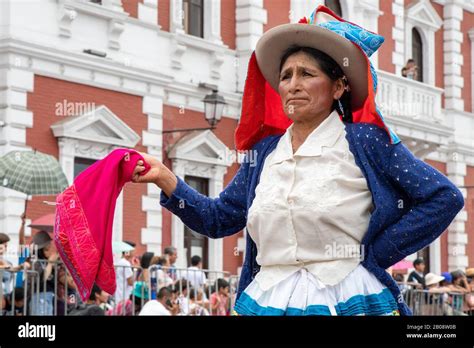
x=348, y=44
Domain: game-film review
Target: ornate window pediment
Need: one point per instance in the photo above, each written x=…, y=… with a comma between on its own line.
x=424, y=15
x=203, y=147
x=93, y=135
x=99, y=126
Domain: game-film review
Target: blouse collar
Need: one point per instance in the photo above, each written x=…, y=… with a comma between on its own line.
x=325, y=135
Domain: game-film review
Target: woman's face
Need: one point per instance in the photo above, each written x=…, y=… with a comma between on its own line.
x=103, y=297
x=50, y=249
x=305, y=90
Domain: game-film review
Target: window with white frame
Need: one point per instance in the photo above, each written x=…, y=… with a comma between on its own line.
x=417, y=54
x=197, y=18
x=193, y=17
x=91, y=136
x=421, y=23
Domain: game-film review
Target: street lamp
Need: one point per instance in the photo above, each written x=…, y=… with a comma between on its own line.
x=213, y=109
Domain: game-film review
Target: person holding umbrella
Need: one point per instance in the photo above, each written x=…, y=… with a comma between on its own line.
x=46, y=256
x=34, y=174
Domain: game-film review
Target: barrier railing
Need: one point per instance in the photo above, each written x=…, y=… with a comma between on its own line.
x=47, y=289
x=196, y=291
x=424, y=302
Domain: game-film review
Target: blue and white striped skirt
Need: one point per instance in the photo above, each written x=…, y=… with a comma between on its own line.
x=360, y=293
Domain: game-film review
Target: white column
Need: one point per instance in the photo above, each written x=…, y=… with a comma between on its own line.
x=152, y=138
x=148, y=11
x=115, y=5
x=216, y=246
x=250, y=18
x=177, y=226
x=15, y=83
x=302, y=8
x=457, y=236
x=435, y=256
x=176, y=16
x=66, y=157
x=212, y=21
x=471, y=37
x=453, y=59
x=364, y=13
x=398, y=35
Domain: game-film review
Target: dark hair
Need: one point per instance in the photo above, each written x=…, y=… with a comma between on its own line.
x=180, y=285
x=398, y=277
x=146, y=259
x=170, y=250
x=4, y=238
x=19, y=293
x=195, y=260
x=192, y=294
x=95, y=290
x=41, y=255
x=222, y=283
x=163, y=292
x=161, y=261
x=456, y=275
x=418, y=261
x=331, y=69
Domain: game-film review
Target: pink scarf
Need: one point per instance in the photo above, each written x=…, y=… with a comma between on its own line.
x=84, y=219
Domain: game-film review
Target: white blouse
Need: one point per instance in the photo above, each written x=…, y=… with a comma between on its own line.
x=311, y=208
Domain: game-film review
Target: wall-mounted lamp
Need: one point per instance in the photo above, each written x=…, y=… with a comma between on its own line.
x=213, y=108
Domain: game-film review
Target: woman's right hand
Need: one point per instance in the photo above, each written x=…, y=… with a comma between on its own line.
x=153, y=175
x=158, y=174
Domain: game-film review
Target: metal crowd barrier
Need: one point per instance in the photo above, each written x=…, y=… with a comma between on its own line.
x=41, y=296
x=234, y=285
x=126, y=301
x=198, y=286
x=193, y=290
x=56, y=295
x=423, y=302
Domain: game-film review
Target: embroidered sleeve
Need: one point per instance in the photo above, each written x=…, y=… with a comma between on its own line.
x=213, y=217
x=435, y=203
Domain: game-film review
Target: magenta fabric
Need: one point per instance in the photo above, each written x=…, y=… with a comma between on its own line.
x=84, y=219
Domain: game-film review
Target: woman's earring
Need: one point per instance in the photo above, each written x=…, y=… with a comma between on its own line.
x=340, y=107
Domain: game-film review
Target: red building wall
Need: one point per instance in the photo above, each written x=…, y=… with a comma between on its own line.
x=439, y=53
x=466, y=70
x=228, y=23
x=164, y=14
x=131, y=6
x=173, y=119
x=385, y=25
x=42, y=102
x=278, y=12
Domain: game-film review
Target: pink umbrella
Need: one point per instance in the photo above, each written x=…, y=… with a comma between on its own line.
x=44, y=223
x=402, y=265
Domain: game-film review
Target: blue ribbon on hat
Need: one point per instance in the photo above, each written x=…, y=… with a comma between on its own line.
x=369, y=43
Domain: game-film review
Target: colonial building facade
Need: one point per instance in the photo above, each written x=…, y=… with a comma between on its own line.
x=81, y=78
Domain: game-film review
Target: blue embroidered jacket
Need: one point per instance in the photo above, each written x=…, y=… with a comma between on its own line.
x=413, y=203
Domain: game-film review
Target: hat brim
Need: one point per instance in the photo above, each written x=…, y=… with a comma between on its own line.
x=272, y=45
x=434, y=280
